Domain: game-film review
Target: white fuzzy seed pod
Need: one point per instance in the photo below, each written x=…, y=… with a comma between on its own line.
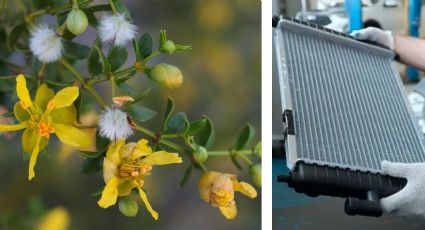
x=114, y=125
x=45, y=44
x=116, y=29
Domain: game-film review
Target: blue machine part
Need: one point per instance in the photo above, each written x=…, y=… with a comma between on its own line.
x=414, y=25
x=354, y=11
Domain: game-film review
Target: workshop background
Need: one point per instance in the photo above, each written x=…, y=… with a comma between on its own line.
x=294, y=211
x=222, y=70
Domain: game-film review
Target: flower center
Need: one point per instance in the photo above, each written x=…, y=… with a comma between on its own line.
x=45, y=129
x=134, y=170
x=222, y=198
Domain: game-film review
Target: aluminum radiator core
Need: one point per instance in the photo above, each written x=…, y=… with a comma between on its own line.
x=344, y=109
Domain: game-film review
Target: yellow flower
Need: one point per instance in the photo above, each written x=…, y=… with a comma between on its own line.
x=47, y=114
x=218, y=189
x=125, y=167
x=56, y=219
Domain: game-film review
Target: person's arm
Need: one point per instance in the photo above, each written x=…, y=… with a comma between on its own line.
x=411, y=51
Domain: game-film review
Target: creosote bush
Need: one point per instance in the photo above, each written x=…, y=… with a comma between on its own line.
x=46, y=107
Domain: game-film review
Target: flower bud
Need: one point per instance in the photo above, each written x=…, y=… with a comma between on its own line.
x=168, y=47
x=255, y=173
x=168, y=76
x=200, y=154
x=257, y=150
x=76, y=21
x=128, y=207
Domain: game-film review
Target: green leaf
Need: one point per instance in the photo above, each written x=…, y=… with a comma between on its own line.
x=128, y=207
x=186, y=176
x=102, y=143
x=91, y=166
x=140, y=113
x=79, y=106
x=106, y=67
x=117, y=56
x=125, y=88
x=177, y=123
x=13, y=41
x=145, y=45
x=42, y=3
x=236, y=163
x=120, y=7
x=140, y=96
x=168, y=111
x=197, y=126
x=245, y=137
x=94, y=63
x=98, y=191
x=75, y=50
x=207, y=134
x=92, y=155
x=91, y=18
x=9, y=114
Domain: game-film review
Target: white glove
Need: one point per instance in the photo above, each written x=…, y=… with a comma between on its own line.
x=375, y=35
x=410, y=201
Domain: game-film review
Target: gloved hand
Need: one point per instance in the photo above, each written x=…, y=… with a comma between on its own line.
x=375, y=35
x=410, y=201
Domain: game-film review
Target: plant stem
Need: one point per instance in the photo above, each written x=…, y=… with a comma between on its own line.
x=60, y=84
x=245, y=158
x=111, y=3
x=102, y=7
x=125, y=72
x=13, y=77
x=95, y=81
x=227, y=153
x=152, y=55
x=80, y=78
x=170, y=144
x=113, y=86
x=3, y=6
x=164, y=142
x=66, y=6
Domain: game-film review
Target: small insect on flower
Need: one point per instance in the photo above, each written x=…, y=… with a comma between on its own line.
x=115, y=28
x=114, y=124
x=45, y=44
x=126, y=166
x=47, y=114
x=218, y=189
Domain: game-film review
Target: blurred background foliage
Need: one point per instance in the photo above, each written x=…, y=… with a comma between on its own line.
x=221, y=79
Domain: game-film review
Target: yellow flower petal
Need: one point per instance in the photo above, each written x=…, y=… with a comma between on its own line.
x=20, y=113
x=56, y=219
x=229, y=212
x=43, y=96
x=8, y=128
x=33, y=159
x=22, y=91
x=125, y=187
x=29, y=140
x=65, y=97
x=142, y=149
x=148, y=206
x=162, y=158
x=108, y=169
x=113, y=152
x=205, y=183
x=127, y=150
x=72, y=136
x=110, y=193
x=244, y=188
x=66, y=115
